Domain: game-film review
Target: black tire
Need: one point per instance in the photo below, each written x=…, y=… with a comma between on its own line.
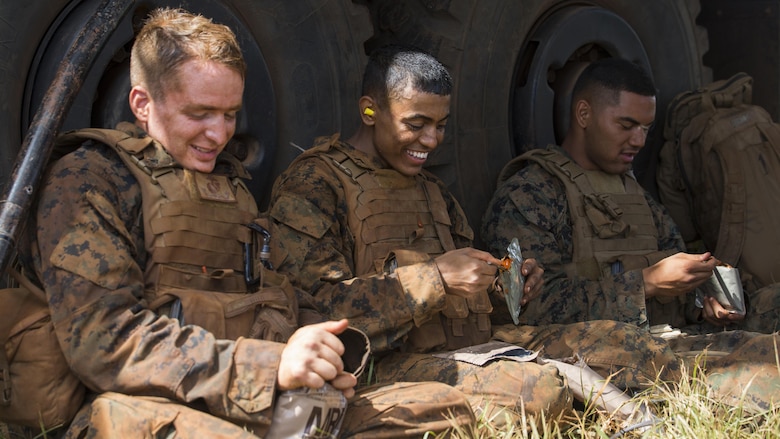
x=303, y=72
x=514, y=63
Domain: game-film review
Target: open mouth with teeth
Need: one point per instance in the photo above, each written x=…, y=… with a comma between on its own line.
x=419, y=155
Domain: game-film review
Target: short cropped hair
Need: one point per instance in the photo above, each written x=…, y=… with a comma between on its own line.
x=606, y=78
x=169, y=38
x=391, y=69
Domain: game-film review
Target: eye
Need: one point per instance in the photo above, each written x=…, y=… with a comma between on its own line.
x=231, y=116
x=413, y=127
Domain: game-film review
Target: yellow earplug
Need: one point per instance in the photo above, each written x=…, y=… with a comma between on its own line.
x=368, y=111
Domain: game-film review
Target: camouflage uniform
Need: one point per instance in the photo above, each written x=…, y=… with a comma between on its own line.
x=87, y=248
x=531, y=205
x=391, y=300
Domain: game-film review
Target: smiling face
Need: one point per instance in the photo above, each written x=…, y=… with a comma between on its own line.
x=613, y=134
x=197, y=114
x=409, y=128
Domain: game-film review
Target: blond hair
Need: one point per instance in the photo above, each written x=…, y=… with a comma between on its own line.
x=169, y=38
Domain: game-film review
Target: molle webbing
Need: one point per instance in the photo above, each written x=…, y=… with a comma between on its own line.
x=391, y=211
x=189, y=217
x=611, y=220
x=192, y=218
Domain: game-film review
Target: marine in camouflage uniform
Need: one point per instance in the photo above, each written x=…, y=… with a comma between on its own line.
x=531, y=205
x=368, y=233
x=93, y=277
x=555, y=221
x=542, y=201
x=390, y=305
x=100, y=260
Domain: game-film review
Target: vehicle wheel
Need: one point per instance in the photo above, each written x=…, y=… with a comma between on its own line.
x=514, y=64
x=303, y=71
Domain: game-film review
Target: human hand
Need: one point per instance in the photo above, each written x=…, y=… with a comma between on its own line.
x=678, y=274
x=312, y=357
x=467, y=271
x=534, y=281
x=716, y=314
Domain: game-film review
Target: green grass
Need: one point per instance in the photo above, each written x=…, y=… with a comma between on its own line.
x=681, y=410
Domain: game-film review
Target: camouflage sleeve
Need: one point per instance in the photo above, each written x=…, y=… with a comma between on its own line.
x=532, y=207
x=311, y=214
x=88, y=254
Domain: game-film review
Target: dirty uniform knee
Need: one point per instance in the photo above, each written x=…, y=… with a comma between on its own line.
x=512, y=386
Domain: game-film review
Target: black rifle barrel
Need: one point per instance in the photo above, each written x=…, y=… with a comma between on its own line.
x=39, y=140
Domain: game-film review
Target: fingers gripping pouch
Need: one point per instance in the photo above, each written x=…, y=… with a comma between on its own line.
x=38, y=388
x=319, y=413
x=268, y=314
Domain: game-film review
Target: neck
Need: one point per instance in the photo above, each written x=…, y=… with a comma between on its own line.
x=363, y=140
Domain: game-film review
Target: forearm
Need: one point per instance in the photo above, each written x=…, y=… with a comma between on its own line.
x=88, y=251
x=566, y=297
x=114, y=344
x=384, y=306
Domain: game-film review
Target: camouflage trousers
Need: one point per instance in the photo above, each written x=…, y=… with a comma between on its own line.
x=763, y=310
x=741, y=367
x=632, y=356
x=113, y=415
x=391, y=411
x=629, y=355
x=500, y=390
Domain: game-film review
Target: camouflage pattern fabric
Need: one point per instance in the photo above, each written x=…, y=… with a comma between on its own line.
x=532, y=206
x=88, y=252
x=405, y=410
x=399, y=410
x=87, y=247
x=499, y=390
x=749, y=374
x=630, y=355
x=763, y=309
x=114, y=415
x=309, y=205
x=741, y=366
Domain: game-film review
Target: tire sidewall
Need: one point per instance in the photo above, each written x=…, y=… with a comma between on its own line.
x=22, y=27
x=301, y=88
x=482, y=53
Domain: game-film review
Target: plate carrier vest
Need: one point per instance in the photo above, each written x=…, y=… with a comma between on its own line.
x=190, y=218
x=612, y=224
x=390, y=211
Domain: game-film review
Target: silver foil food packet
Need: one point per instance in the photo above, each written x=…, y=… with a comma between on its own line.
x=511, y=279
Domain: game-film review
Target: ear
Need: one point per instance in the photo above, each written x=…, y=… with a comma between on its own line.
x=582, y=113
x=140, y=103
x=368, y=110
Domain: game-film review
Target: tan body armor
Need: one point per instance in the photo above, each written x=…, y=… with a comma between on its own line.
x=612, y=224
x=389, y=211
x=191, y=218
